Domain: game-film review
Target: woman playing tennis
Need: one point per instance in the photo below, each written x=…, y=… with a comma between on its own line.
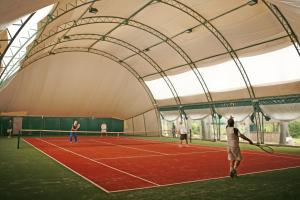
x=73, y=133
x=233, y=147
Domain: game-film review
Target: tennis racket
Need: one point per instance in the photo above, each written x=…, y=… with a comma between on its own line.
x=265, y=148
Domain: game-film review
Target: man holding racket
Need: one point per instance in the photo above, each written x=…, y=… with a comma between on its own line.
x=233, y=147
x=183, y=134
x=73, y=133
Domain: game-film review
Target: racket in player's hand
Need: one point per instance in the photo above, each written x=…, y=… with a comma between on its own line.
x=265, y=148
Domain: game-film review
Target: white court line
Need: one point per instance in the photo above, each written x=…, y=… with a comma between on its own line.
x=271, y=155
x=148, y=181
x=147, y=156
x=280, y=155
x=95, y=184
x=140, y=149
x=176, y=144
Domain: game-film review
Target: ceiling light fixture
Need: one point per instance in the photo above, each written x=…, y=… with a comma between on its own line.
x=252, y=2
x=93, y=10
x=66, y=37
x=189, y=30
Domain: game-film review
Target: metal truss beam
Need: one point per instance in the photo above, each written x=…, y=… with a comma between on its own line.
x=125, y=21
x=119, y=42
x=136, y=24
x=184, y=8
x=285, y=24
x=192, y=28
x=16, y=58
x=11, y=41
x=288, y=99
x=75, y=21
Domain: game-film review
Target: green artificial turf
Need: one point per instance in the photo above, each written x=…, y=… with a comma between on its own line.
x=28, y=174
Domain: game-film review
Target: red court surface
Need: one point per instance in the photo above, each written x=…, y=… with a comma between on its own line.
x=119, y=164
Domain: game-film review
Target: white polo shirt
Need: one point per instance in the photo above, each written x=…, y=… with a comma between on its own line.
x=232, y=138
x=182, y=130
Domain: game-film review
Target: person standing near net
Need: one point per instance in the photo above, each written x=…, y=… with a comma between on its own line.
x=74, y=128
x=173, y=130
x=9, y=128
x=233, y=147
x=103, y=129
x=182, y=131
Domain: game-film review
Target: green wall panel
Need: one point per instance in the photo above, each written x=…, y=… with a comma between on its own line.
x=65, y=123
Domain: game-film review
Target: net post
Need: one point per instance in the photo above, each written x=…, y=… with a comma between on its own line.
x=18, y=146
x=190, y=135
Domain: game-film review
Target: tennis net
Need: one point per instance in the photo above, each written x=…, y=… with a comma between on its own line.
x=64, y=135
x=54, y=133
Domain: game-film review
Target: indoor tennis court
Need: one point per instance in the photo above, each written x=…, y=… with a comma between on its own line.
x=149, y=99
x=117, y=164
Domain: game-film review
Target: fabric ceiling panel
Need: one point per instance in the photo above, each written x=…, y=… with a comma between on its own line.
x=140, y=65
x=3, y=42
x=47, y=42
x=67, y=17
x=38, y=55
x=136, y=37
x=165, y=56
x=75, y=43
x=170, y=21
x=118, y=8
x=166, y=102
x=9, y=13
x=277, y=90
x=230, y=95
x=152, y=77
x=194, y=99
x=260, y=49
x=87, y=90
x=199, y=44
x=97, y=28
x=249, y=25
x=212, y=8
x=114, y=49
x=290, y=9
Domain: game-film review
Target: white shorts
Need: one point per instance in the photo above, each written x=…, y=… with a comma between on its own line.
x=234, y=153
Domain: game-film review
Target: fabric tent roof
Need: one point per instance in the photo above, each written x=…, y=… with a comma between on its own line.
x=154, y=39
